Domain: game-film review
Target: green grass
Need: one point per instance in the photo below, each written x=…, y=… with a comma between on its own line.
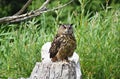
x=98, y=44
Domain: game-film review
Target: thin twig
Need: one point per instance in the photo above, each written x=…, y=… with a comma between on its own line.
x=59, y=7
x=24, y=7
x=44, y=4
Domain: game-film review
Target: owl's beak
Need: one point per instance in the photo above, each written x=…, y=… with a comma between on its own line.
x=66, y=31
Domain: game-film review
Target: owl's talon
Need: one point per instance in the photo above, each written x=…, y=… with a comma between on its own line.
x=65, y=61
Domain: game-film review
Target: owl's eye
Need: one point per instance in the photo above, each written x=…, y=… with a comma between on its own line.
x=64, y=27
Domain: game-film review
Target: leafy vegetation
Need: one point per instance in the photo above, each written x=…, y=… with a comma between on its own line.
x=97, y=35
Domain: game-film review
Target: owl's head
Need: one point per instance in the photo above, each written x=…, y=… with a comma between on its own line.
x=65, y=29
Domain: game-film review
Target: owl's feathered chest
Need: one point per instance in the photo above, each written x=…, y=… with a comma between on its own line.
x=65, y=42
x=66, y=39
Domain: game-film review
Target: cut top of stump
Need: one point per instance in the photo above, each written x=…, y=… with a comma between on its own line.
x=54, y=70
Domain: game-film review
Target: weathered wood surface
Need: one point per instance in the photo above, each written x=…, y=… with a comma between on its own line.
x=56, y=70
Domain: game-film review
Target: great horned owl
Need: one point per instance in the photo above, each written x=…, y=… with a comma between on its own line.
x=63, y=44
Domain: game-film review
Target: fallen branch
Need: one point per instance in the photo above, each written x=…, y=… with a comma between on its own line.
x=42, y=9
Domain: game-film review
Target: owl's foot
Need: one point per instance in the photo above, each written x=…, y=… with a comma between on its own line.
x=54, y=59
x=65, y=60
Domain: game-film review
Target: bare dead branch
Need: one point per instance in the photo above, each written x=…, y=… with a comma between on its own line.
x=17, y=18
x=24, y=7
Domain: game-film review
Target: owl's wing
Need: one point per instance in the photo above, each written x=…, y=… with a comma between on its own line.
x=54, y=46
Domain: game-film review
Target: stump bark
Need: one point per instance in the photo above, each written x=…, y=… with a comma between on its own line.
x=54, y=70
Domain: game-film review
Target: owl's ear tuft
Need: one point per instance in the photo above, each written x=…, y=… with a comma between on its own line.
x=71, y=24
x=60, y=25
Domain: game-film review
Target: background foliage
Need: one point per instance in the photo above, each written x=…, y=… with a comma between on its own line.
x=97, y=30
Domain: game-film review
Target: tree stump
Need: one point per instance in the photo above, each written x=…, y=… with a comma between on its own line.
x=54, y=70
